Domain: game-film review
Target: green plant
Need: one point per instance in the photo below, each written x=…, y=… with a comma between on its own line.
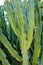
x=17, y=22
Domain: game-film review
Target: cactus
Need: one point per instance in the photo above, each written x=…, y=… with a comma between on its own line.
x=16, y=20
x=36, y=52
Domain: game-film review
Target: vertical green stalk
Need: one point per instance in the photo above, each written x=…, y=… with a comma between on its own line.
x=42, y=59
x=25, y=44
x=30, y=23
x=37, y=37
x=25, y=57
x=24, y=50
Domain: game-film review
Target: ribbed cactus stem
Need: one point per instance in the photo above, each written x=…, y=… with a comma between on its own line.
x=24, y=50
x=37, y=37
x=25, y=57
x=30, y=24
